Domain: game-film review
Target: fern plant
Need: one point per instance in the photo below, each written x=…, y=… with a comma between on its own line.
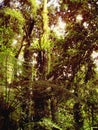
x=48, y=124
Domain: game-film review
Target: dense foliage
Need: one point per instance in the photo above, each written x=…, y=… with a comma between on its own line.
x=48, y=64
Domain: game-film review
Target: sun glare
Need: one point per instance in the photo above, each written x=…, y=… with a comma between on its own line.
x=59, y=28
x=95, y=58
x=14, y=42
x=55, y=3
x=79, y=18
x=85, y=24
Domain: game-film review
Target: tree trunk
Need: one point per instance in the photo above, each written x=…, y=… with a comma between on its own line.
x=54, y=109
x=27, y=73
x=41, y=64
x=78, y=116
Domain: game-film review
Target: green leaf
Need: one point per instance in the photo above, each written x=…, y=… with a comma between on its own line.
x=15, y=14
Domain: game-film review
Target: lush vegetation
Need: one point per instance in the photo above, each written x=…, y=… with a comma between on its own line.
x=48, y=64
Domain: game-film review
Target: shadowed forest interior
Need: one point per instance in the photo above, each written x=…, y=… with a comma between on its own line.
x=48, y=64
